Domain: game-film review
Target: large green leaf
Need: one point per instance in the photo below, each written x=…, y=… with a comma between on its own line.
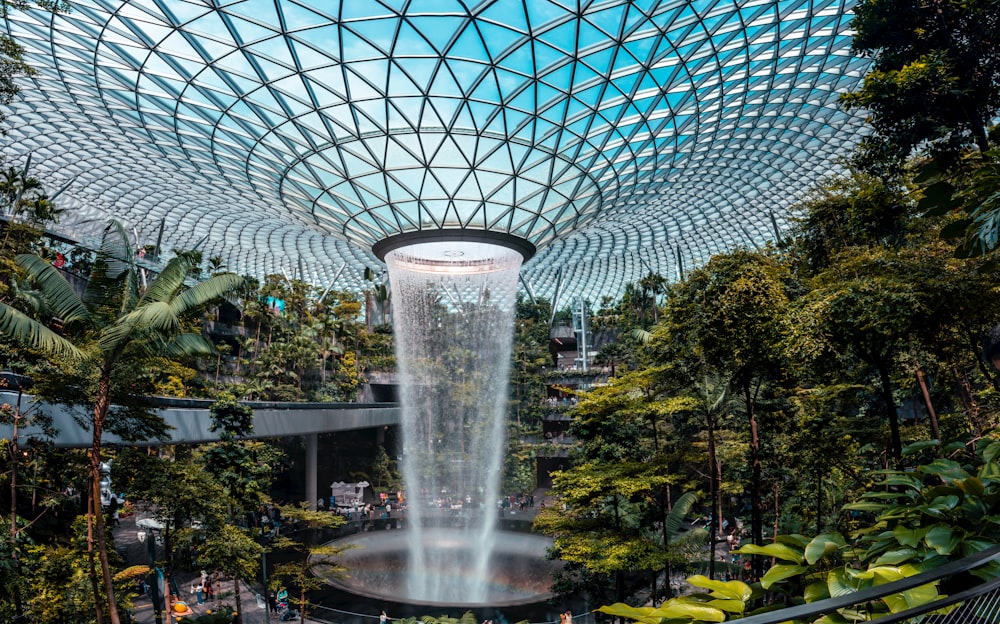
x=897, y=479
x=188, y=345
x=778, y=551
x=795, y=540
x=736, y=590
x=681, y=509
x=113, y=283
x=169, y=281
x=912, y=598
x=973, y=486
x=29, y=332
x=780, y=572
x=941, y=506
x=842, y=581
x=916, y=447
x=907, y=536
x=990, y=472
x=816, y=591
x=865, y=506
x=823, y=545
x=896, y=556
x=62, y=300
x=944, y=468
x=943, y=539
x=673, y=608
x=729, y=605
x=205, y=292
x=992, y=451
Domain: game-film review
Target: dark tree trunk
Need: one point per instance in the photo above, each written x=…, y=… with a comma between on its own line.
x=100, y=414
x=819, y=502
x=930, y=406
x=896, y=449
x=95, y=586
x=756, y=513
x=15, y=551
x=715, y=479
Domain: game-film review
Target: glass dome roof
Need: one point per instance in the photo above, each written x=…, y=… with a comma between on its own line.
x=617, y=137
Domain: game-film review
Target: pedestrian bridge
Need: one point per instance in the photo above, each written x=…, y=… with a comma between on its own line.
x=189, y=419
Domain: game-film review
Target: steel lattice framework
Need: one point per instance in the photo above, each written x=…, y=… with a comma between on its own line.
x=290, y=136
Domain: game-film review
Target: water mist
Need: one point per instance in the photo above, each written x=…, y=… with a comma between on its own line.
x=453, y=316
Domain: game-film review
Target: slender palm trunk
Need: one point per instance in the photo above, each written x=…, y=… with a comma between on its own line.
x=100, y=414
x=756, y=512
x=715, y=478
x=619, y=574
x=98, y=602
x=15, y=551
x=256, y=349
x=239, y=602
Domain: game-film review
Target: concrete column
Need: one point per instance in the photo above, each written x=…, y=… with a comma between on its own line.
x=312, y=454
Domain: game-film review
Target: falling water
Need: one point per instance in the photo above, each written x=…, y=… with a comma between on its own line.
x=453, y=311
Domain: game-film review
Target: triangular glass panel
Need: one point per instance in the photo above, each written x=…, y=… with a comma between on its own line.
x=410, y=42
x=377, y=32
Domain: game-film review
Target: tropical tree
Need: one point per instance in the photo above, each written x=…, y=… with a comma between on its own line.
x=230, y=550
x=297, y=572
x=243, y=468
x=934, y=79
x=113, y=321
x=729, y=320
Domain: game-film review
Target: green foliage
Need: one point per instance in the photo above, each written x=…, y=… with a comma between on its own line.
x=233, y=418
x=222, y=615
x=384, y=471
x=971, y=191
x=723, y=598
x=934, y=79
x=297, y=572
x=230, y=550
x=922, y=518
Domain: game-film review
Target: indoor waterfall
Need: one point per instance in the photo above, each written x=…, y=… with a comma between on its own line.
x=453, y=315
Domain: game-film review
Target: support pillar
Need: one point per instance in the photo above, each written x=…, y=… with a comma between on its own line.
x=312, y=453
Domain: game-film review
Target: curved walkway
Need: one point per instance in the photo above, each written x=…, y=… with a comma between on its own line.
x=189, y=419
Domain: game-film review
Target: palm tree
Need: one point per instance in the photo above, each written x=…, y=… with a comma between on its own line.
x=652, y=286
x=111, y=321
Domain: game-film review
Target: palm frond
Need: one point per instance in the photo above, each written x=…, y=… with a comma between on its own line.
x=188, y=345
x=642, y=335
x=29, y=332
x=201, y=294
x=169, y=281
x=113, y=284
x=681, y=509
x=153, y=318
x=62, y=300
x=116, y=336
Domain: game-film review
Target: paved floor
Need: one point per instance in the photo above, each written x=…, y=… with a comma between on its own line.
x=136, y=553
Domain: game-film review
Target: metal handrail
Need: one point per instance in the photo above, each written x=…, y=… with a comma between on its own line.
x=839, y=602
x=947, y=601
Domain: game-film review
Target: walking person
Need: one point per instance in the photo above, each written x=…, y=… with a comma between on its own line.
x=272, y=603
